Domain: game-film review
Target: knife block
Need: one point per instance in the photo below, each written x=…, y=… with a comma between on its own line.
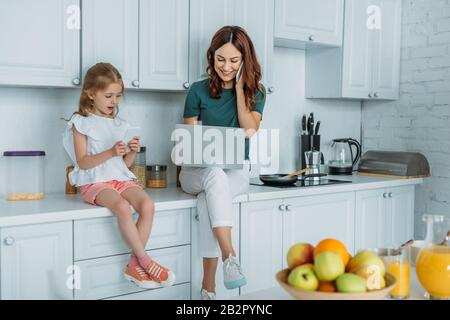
x=308, y=143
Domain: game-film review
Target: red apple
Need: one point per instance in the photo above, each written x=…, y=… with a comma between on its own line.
x=300, y=253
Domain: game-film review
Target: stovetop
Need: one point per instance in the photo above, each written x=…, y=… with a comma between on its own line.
x=302, y=183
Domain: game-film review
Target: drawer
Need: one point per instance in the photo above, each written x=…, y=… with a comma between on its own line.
x=103, y=278
x=178, y=292
x=95, y=238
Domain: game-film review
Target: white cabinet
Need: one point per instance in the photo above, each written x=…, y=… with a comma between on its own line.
x=384, y=217
x=256, y=17
x=208, y=16
x=164, y=44
x=312, y=219
x=261, y=244
x=197, y=260
x=301, y=22
x=35, y=262
x=40, y=43
x=368, y=64
x=270, y=228
x=176, y=292
x=116, y=43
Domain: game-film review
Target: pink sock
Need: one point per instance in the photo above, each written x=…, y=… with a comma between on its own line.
x=144, y=261
x=133, y=261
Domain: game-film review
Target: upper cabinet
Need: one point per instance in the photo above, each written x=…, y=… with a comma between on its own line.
x=40, y=43
x=208, y=16
x=164, y=44
x=116, y=43
x=301, y=22
x=368, y=64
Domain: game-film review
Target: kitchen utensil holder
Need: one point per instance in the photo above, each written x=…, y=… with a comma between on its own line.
x=308, y=143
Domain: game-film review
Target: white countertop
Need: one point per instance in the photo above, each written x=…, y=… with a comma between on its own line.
x=60, y=207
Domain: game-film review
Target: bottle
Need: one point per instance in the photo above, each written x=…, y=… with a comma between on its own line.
x=139, y=167
x=70, y=189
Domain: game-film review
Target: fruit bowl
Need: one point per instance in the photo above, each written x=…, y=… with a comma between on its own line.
x=300, y=294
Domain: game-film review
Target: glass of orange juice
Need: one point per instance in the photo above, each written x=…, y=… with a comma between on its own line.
x=397, y=263
x=433, y=271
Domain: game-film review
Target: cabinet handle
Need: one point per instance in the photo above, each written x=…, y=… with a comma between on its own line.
x=9, y=241
x=390, y=195
x=311, y=38
x=76, y=81
x=135, y=83
x=196, y=217
x=271, y=90
x=376, y=95
x=289, y=208
x=186, y=85
x=370, y=95
x=385, y=195
x=282, y=207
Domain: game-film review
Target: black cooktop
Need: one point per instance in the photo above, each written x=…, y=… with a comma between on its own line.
x=301, y=183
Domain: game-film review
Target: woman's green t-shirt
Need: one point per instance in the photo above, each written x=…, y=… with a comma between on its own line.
x=221, y=112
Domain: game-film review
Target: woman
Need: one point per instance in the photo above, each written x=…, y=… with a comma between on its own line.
x=223, y=100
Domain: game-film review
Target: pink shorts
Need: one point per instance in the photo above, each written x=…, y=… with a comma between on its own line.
x=89, y=192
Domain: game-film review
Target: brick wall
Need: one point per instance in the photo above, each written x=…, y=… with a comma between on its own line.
x=420, y=119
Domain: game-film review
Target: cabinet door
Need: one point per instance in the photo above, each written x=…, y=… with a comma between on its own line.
x=261, y=244
x=256, y=17
x=386, y=50
x=40, y=42
x=300, y=21
x=357, y=51
x=401, y=223
x=116, y=43
x=197, y=260
x=164, y=44
x=372, y=216
x=206, y=18
x=311, y=219
x=35, y=260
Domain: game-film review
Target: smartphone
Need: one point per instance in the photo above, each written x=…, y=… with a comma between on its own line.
x=239, y=73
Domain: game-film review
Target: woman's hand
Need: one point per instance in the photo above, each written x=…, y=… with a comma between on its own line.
x=119, y=149
x=134, y=144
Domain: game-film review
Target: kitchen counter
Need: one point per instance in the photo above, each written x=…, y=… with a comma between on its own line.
x=60, y=207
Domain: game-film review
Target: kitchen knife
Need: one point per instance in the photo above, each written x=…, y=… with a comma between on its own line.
x=316, y=132
x=304, y=124
x=311, y=124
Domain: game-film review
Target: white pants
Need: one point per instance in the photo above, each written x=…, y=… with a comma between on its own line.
x=215, y=189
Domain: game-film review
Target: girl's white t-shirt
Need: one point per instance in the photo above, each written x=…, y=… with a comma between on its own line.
x=102, y=133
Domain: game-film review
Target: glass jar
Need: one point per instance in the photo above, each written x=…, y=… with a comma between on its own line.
x=24, y=175
x=157, y=176
x=433, y=261
x=138, y=168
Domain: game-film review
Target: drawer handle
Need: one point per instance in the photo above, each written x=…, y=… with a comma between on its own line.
x=289, y=208
x=135, y=83
x=376, y=95
x=370, y=95
x=282, y=207
x=385, y=195
x=196, y=217
x=390, y=195
x=311, y=38
x=9, y=241
x=76, y=81
x=186, y=85
x=271, y=90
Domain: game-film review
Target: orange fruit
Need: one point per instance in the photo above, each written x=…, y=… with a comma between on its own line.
x=326, y=287
x=335, y=246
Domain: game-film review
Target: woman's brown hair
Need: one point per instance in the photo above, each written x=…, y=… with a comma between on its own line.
x=98, y=77
x=251, y=72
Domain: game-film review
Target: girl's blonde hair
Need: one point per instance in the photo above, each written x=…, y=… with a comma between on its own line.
x=98, y=77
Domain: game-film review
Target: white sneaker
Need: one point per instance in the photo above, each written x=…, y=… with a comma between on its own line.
x=232, y=273
x=205, y=295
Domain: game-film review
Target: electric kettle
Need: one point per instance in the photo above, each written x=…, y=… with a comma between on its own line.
x=342, y=157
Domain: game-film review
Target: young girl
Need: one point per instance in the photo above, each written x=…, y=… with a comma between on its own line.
x=93, y=140
x=232, y=96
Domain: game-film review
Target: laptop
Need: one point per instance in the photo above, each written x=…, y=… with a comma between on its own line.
x=208, y=146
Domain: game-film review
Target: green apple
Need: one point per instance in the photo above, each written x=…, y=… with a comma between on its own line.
x=351, y=283
x=303, y=277
x=328, y=266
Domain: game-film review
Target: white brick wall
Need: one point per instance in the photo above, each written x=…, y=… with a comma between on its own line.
x=420, y=119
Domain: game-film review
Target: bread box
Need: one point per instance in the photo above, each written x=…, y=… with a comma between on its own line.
x=407, y=165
